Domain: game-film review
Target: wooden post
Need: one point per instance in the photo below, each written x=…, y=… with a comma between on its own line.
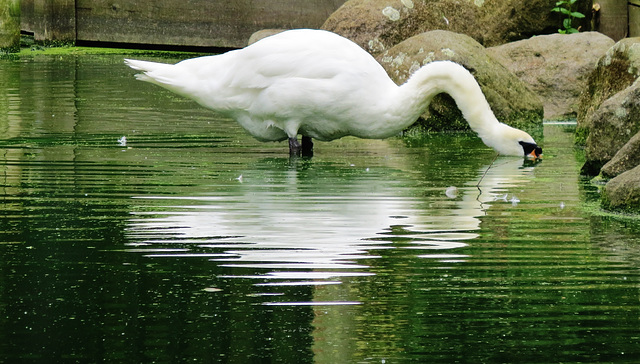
x=196, y=23
x=54, y=20
x=613, y=18
x=634, y=18
x=9, y=25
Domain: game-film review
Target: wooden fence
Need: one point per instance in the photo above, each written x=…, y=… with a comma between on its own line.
x=192, y=23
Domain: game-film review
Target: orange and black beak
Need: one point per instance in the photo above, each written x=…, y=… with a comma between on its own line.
x=531, y=150
x=535, y=153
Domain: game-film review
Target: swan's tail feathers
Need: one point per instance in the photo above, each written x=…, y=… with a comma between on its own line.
x=152, y=71
x=139, y=65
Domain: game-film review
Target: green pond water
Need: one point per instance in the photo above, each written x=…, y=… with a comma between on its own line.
x=188, y=241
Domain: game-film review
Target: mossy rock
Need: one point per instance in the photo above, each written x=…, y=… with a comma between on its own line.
x=614, y=72
x=611, y=126
x=628, y=157
x=10, y=26
x=623, y=192
x=378, y=25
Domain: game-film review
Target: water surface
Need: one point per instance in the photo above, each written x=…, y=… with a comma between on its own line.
x=187, y=240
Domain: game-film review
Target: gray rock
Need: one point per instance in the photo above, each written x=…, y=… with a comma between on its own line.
x=623, y=192
x=378, y=25
x=510, y=99
x=556, y=67
x=260, y=34
x=615, y=71
x=626, y=158
x=611, y=126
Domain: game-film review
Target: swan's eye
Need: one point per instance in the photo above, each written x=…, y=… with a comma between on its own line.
x=531, y=149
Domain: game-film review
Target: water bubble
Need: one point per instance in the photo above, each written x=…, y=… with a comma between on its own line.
x=451, y=192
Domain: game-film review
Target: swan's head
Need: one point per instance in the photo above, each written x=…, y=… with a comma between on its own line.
x=514, y=142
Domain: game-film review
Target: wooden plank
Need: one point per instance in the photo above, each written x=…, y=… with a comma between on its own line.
x=634, y=18
x=613, y=18
x=204, y=23
x=50, y=20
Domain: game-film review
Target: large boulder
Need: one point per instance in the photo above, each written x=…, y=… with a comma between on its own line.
x=616, y=70
x=556, y=67
x=628, y=157
x=623, y=192
x=609, y=111
x=510, y=99
x=263, y=33
x=612, y=125
x=377, y=25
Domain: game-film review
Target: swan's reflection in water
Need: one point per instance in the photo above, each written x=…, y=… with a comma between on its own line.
x=313, y=224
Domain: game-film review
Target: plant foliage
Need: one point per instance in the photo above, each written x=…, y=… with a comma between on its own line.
x=564, y=7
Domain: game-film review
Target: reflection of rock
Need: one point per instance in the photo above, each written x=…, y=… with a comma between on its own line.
x=511, y=100
x=555, y=66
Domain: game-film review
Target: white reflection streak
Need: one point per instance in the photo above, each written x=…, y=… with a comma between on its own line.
x=313, y=303
x=286, y=229
x=500, y=176
x=495, y=179
x=271, y=225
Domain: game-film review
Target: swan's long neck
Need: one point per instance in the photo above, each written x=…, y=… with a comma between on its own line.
x=453, y=79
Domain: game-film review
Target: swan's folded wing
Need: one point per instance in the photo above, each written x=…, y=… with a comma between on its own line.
x=289, y=56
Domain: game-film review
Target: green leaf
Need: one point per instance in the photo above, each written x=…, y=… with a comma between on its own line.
x=577, y=14
x=572, y=30
x=560, y=3
x=562, y=31
x=567, y=23
x=565, y=11
x=571, y=2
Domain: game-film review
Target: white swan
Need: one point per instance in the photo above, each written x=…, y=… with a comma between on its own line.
x=323, y=86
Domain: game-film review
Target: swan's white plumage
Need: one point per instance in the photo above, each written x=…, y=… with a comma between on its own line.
x=324, y=86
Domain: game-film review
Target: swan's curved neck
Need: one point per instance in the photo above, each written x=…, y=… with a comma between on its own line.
x=455, y=80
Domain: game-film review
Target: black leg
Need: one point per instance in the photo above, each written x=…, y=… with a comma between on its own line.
x=295, y=148
x=307, y=146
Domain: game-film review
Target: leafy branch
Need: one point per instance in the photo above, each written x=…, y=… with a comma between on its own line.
x=564, y=7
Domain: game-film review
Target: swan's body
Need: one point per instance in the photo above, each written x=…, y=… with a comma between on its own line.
x=323, y=86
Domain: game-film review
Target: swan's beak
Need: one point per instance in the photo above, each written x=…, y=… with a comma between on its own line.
x=535, y=153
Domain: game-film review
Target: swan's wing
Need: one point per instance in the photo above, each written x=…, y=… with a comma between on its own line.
x=285, y=73
x=302, y=72
x=308, y=54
